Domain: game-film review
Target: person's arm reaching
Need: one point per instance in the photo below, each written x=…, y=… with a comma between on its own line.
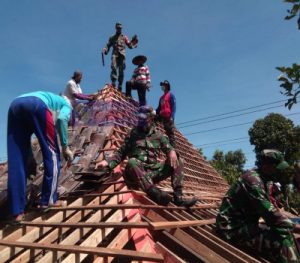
x=81, y=96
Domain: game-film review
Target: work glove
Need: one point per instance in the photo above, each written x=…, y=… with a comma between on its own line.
x=68, y=155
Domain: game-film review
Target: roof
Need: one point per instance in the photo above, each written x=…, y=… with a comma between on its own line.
x=104, y=221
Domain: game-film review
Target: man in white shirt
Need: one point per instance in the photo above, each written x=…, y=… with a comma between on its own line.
x=73, y=90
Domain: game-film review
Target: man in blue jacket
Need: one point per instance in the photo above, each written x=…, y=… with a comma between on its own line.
x=166, y=111
x=40, y=113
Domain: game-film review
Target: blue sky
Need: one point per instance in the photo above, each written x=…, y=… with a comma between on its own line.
x=219, y=56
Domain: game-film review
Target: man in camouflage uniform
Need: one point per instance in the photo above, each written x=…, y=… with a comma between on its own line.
x=143, y=146
x=118, y=42
x=247, y=201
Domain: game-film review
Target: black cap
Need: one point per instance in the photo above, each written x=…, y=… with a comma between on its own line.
x=165, y=83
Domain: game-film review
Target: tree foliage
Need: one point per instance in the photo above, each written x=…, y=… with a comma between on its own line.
x=276, y=132
x=290, y=77
x=290, y=82
x=229, y=165
x=294, y=10
x=201, y=152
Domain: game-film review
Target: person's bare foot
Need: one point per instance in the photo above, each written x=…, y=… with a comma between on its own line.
x=58, y=203
x=19, y=217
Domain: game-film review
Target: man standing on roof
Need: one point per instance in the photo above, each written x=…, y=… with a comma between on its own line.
x=247, y=201
x=39, y=113
x=140, y=79
x=166, y=111
x=118, y=42
x=143, y=147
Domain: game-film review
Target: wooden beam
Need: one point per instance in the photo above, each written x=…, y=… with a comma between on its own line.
x=97, y=236
x=115, y=193
x=73, y=237
x=121, y=239
x=208, y=246
x=53, y=235
x=99, y=251
x=169, y=256
x=181, y=224
x=101, y=225
x=129, y=206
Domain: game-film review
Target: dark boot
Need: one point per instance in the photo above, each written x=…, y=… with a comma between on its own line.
x=158, y=196
x=180, y=201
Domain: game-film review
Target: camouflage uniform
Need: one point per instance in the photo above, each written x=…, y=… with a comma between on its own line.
x=245, y=202
x=143, y=169
x=118, y=42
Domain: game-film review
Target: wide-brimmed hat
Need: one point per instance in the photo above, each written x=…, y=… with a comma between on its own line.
x=139, y=59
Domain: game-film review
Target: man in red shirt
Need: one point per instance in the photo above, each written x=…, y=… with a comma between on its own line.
x=166, y=111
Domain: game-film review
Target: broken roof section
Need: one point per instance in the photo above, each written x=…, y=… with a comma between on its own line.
x=103, y=220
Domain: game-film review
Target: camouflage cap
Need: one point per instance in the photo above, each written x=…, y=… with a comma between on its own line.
x=274, y=156
x=119, y=25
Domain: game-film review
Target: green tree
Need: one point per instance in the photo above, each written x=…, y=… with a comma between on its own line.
x=290, y=77
x=229, y=165
x=201, y=152
x=276, y=132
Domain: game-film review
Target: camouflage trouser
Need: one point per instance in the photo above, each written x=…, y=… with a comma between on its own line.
x=117, y=62
x=169, y=128
x=137, y=176
x=278, y=245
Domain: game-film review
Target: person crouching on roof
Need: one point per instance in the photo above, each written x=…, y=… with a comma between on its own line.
x=142, y=147
x=247, y=201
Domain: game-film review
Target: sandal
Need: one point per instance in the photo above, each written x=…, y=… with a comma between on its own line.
x=16, y=220
x=58, y=203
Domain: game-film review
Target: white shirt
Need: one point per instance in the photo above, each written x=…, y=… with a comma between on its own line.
x=71, y=88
